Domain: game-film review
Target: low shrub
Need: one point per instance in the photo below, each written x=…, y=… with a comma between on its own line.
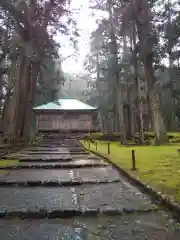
x=149, y=138
x=104, y=137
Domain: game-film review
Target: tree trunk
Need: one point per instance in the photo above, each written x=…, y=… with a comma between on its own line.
x=130, y=111
x=12, y=128
x=121, y=113
x=139, y=108
x=146, y=37
x=18, y=100
x=6, y=112
x=26, y=82
x=171, y=79
x=154, y=101
x=32, y=78
x=115, y=76
x=138, y=89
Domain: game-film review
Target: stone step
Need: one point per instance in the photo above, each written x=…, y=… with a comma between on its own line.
x=131, y=227
x=79, y=153
x=49, y=165
x=38, y=157
x=37, y=149
x=53, y=145
x=77, y=150
x=59, y=177
x=28, y=160
x=45, y=161
x=46, y=199
x=51, y=183
x=64, y=161
x=112, y=197
x=86, y=157
x=53, y=153
x=44, y=153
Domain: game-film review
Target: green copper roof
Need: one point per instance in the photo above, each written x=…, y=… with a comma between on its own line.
x=65, y=104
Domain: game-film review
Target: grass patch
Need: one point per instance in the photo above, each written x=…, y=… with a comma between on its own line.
x=158, y=166
x=5, y=163
x=3, y=172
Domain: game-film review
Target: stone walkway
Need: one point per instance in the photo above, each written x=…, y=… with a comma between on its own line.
x=59, y=191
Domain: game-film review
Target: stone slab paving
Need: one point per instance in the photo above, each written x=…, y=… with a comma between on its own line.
x=151, y=226
x=48, y=165
x=74, y=150
x=86, y=157
x=112, y=196
x=50, y=148
x=72, y=164
x=97, y=174
x=103, y=174
x=37, y=198
x=90, y=198
x=79, y=153
x=109, y=197
x=39, y=175
x=29, y=153
x=91, y=156
x=37, y=157
x=60, y=149
x=52, y=145
x=59, y=160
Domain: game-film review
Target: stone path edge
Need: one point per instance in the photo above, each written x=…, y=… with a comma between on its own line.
x=160, y=198
x=42, y=213
x=55, y=166
x=51, y=183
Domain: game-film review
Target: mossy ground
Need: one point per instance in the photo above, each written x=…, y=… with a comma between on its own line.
x=3, y=172
x=5, y=163
x=158, y=166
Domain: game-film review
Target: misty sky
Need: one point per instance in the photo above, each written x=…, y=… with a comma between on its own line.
x=86, y=23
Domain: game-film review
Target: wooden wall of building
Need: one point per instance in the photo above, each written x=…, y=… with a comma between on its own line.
x=64, y=122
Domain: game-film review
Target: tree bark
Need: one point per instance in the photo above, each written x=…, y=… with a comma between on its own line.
x=138, y=89
x=139, y=104
x=116, y=77
x=31, y=90
x=11, y=130
x=141, y=13
x=6, y=112
x=130, y=111
x=18, y=100
x=121, y=113
x=154, y=101
x=26, y=82
x=171, y=120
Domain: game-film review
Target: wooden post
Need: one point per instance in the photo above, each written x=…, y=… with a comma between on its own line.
x=133, y=160
x=108, y=148
x=96, y=144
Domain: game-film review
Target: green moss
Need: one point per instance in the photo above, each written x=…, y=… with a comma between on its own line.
x=158, y=166
x=3, y=172
x=5, y=163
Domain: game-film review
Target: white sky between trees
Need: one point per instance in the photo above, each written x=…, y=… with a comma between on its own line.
x=86, y=23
